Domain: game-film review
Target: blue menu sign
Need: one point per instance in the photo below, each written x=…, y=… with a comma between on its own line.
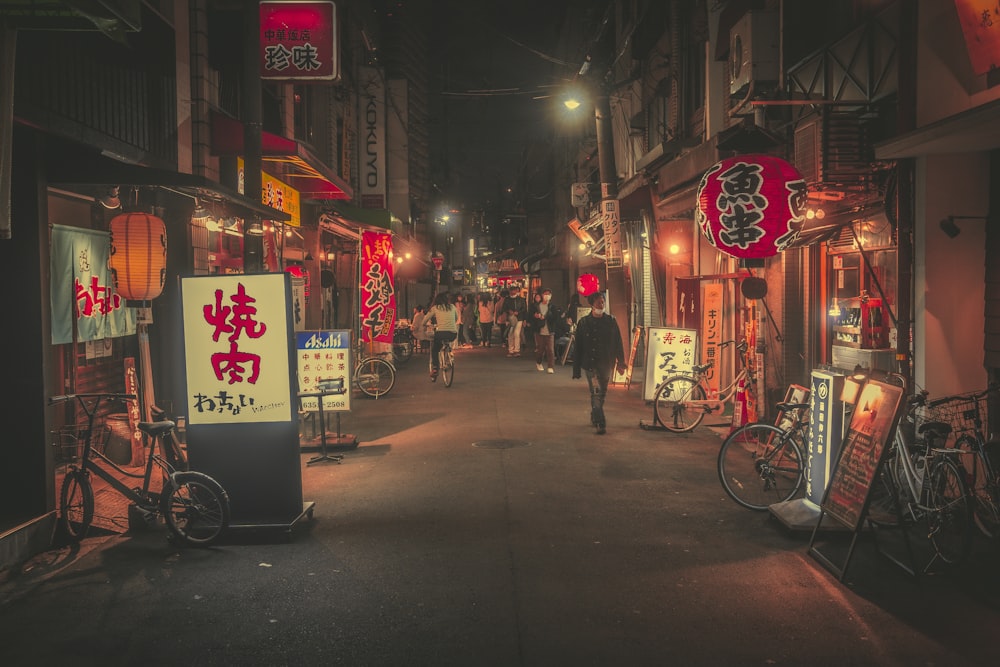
x=826, y=429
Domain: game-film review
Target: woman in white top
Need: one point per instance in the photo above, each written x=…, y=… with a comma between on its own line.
x=443, y=312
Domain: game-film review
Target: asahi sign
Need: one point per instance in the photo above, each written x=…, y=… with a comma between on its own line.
x=371, y=118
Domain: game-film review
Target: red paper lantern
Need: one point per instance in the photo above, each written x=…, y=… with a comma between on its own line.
x=138, y=259
x=751, y=206
x=587, y=284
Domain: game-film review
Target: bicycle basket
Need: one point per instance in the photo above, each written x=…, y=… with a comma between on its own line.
x=69, y=441
x=959, y=412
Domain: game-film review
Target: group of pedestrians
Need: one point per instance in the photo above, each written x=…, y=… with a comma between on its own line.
x=599, y=350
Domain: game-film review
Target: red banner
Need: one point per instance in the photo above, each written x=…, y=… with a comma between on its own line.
x=298, y=40
x=378, y=290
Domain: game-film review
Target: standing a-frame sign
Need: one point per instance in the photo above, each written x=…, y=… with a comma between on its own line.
x=862, y=453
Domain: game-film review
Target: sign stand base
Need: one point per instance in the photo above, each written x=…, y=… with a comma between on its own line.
x=800, y=514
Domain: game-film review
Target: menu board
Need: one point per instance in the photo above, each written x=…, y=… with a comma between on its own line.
x=668, y=352
x=873, y=424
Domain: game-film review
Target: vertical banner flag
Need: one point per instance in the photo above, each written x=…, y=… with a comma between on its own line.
x=81, y=288
x=378, y=292
x=298, y=41
x=236, y=349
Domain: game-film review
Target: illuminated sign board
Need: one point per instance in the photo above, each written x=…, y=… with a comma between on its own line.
x=236, y=349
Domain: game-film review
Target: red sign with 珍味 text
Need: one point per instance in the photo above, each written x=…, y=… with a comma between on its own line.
x=298, y=40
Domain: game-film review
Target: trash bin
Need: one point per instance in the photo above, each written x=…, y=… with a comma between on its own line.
x=119, y=446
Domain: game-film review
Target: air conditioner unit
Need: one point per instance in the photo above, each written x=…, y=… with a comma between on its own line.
x=753, y=51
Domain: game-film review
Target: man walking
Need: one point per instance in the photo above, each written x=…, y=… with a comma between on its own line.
x=599, y=351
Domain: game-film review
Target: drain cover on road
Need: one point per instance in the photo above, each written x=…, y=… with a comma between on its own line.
x=500, y=444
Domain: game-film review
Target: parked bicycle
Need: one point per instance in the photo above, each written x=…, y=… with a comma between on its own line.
x=194, y=506
x=446, y=361
x=981, y=456
x=922, y=483
x=373, y=375
x=403, y=344
x=763, y=464
x=681, y=401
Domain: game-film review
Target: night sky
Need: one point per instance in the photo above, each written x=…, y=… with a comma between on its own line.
x=499, y=67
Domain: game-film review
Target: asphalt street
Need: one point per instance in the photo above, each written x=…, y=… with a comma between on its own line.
x=487, y=524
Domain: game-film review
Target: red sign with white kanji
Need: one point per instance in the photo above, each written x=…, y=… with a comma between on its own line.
x=298, y=41
x=751, y=206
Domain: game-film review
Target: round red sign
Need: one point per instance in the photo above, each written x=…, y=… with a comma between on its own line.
x=751, y=206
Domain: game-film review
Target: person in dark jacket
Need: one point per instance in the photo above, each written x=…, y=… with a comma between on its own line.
x=599, y=351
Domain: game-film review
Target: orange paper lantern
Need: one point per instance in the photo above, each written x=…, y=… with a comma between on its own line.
x=138, y=259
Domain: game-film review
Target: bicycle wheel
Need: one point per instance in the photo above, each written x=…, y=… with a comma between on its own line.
x=76, y=504
x=447, y=367
x=375, y=376
x=195, y=507
x=982, y=480
x=949, y=515
x=668, y=403
x=760, y=465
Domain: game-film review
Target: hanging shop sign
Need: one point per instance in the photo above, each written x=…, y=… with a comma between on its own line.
x=981, y=30
x=276, y=194
x=611, y=221
x=751, y=206
x=236, y=349
x=81, y=288
x=671, y=351
x=378, y=293
x=298, y=41
x=324, y=360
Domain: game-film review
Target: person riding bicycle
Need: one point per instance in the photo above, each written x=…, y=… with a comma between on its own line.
x=444, y=313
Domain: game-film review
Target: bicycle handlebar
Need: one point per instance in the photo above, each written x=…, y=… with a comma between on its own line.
x=993, y=386
x=68, y=397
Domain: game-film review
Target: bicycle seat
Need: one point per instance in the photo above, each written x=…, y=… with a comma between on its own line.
x=702, y=368
x=939, y=429
x=791, y=407
x=155, y=429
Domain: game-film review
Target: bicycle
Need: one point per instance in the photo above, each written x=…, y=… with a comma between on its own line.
x=981, y=457
x=446, y=364
x=194, y=506
x=373, y=375
x=681, y=401
x=922, y=484
x=403, y=344
x=763, y=464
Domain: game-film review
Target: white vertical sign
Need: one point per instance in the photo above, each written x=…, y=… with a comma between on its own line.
x=371, y=133
x=611, y=220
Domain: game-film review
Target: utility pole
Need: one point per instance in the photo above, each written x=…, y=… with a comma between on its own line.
x=616, y=282
x=253, y=242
